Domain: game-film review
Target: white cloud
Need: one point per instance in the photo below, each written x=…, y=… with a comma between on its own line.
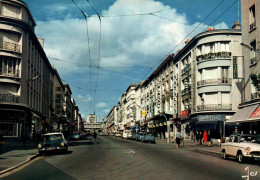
x=85, y=99
x=101, y=105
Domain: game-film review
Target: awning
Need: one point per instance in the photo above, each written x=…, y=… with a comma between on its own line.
x=244, y=115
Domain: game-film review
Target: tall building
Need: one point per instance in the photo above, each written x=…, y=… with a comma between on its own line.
x=248, y=116
x=26, y=81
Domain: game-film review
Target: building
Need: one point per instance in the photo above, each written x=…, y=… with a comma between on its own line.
x=25, y=73
x=247, y=119
x=92, y=123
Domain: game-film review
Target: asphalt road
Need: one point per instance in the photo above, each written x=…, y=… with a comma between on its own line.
x=116, y=158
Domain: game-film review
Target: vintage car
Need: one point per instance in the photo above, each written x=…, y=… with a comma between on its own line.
x=148, y=137
x=140, y=136
x=75, y=136
x=241, y=147
x=53, y=142
x=134, y=136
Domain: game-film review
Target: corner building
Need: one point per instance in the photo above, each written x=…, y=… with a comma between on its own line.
x=26, y=81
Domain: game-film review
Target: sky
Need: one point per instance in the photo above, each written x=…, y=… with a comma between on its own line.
x=100, y=57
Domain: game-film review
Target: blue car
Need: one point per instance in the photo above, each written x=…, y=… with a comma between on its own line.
x=140, y=136
x=148, y=137
x=53, y=142
x=134, y=136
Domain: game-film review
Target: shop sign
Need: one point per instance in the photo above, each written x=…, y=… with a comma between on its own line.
x=8, y=98
x=158, y=97
x=185, y=112
x=175, y=95
x=210, y=118
x=256, y=113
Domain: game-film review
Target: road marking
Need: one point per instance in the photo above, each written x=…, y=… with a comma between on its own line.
x=20, y=167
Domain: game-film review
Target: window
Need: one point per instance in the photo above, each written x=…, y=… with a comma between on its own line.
x=252, y=22
x=236, y=139
x=253, y=52
x=231, y=139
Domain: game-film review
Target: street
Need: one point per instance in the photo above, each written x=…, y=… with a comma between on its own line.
x=116, y=158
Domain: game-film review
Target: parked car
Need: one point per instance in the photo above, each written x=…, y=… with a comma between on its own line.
x=241, y=147
x=103, y=134
x=148, y=137
x=134, y=136
x=140, y=136
x=125, y=134
x=75, y=136
x=129, y=135
x=53, y=142
x=118, y=134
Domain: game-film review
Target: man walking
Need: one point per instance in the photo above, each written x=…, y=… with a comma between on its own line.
x=95, y=137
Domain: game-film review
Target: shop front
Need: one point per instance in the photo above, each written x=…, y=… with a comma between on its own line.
x=246, y=119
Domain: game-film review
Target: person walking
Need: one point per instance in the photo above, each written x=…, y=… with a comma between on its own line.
x=95, y=137
x=197, y=137
x=200, y=137
x=205, y=138
x=209, y=138
x=178, y=139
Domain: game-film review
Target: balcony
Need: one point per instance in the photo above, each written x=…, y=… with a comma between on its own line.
x=252, y=26
x=185, y=90
x=214, y=107
x=9, y=72
x=253, y=61
x=213, y=56
x=186, y=69
x=10, y=46
x=255, y=95
x=9, y=98
x=214, y=82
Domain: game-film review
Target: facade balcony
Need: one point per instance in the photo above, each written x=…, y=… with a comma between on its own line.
x=9, y=98
x=253, y=61
x=213, y=56
x=10, y=46
x=252, y=26
x=9, y=72
x=214, y=107
x=186, y=69
x=185, y=91
x=214, y=82
x=255, y=95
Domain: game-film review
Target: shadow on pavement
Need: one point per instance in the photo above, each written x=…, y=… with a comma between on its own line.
x=16, y=145
x=54, y=153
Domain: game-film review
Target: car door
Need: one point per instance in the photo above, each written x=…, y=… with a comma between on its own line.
x=228, y=145
x=235, y=146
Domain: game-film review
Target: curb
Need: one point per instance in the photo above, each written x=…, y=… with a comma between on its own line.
x=18, y=165
x=207, y=152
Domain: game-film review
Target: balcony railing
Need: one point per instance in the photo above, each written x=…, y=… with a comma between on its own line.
x=253, y=61
x=9, y=72
x=214, y=82
x=255, y=95
x=213, y=56
x=252, y=26
x=185, y=91
x=214, y=107
x=9, y=98
x=10, y=46
x=186, y=69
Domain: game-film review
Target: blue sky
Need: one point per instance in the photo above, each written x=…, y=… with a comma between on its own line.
x=135, y=36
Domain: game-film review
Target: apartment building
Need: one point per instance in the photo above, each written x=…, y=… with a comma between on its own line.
x=247, y=119
x=24, y=71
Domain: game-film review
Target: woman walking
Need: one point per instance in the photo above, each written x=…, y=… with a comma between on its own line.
x=205, y=138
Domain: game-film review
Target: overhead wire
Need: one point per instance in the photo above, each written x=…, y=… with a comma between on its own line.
x=90, y=65
x=184, y=38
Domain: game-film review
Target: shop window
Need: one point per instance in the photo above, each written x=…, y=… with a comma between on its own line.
x=9, y=129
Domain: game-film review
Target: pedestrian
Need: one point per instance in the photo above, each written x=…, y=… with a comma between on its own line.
x=95, y=137
x=197, y=137
x=1, y=138
x=200, y=137
x=236, y=131
x=178, y=139
x=205, y=138
x=209, y=138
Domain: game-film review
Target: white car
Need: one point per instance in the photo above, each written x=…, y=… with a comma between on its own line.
x=241, y=147
x=125, y=134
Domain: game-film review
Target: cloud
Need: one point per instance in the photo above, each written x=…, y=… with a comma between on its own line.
x=101, y=105
x=85, y=99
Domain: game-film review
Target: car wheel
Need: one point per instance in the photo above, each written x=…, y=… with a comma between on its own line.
x=225, y=156
x=240, y=157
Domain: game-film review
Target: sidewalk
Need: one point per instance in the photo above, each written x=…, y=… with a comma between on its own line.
x=191, y=144
x=13, y=155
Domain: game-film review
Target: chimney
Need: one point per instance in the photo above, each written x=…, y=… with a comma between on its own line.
x=236, y=26
x=41, y=41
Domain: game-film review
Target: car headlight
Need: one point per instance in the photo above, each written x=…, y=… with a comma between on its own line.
x=62, y=144
x=39, y=146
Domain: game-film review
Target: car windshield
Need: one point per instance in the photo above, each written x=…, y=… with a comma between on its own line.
x=251, y=139
x=55, y=137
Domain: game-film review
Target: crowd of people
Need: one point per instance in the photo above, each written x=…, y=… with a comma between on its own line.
x=203, y=138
